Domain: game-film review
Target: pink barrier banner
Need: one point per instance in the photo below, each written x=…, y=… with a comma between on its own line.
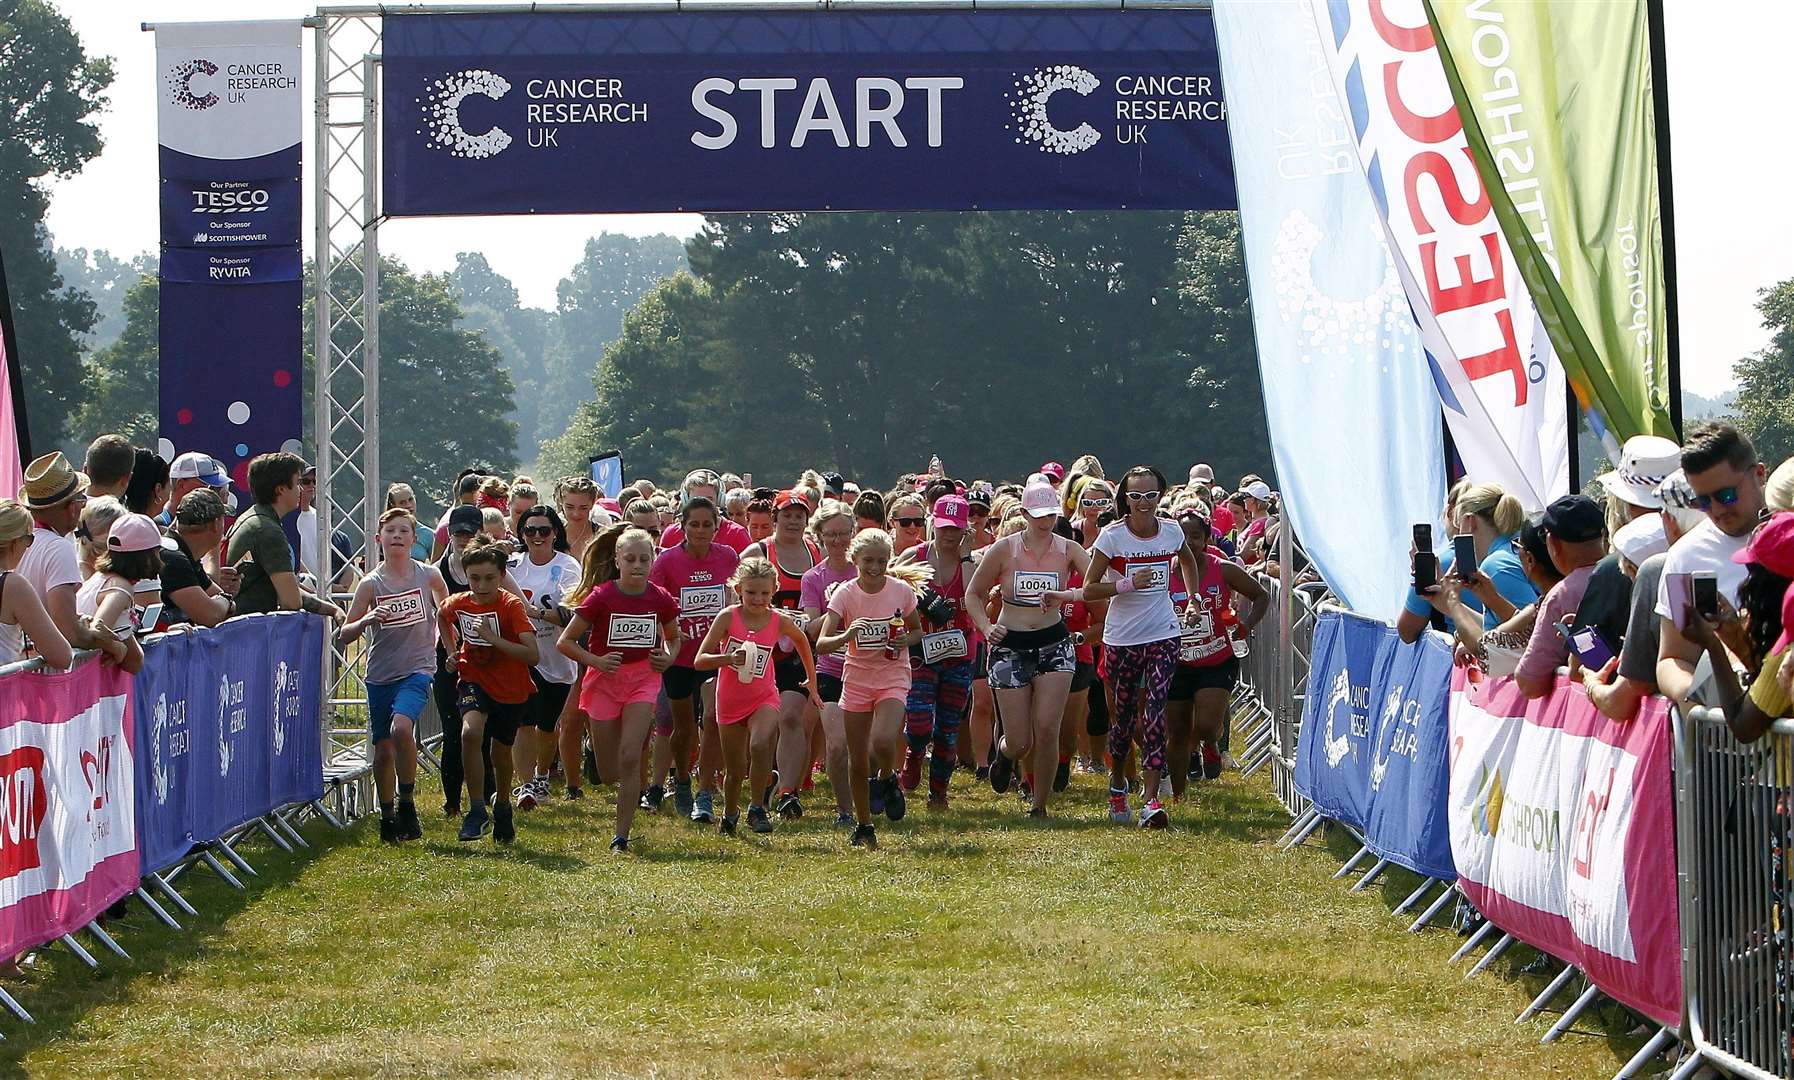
x=1563, y=832
x=68, y=836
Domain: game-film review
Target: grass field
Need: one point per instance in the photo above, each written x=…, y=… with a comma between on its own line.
x=972, y=944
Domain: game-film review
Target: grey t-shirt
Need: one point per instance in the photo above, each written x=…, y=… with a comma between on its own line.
x=1638, y=657
x=407, y=645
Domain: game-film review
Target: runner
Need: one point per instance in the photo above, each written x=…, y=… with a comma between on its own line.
x=833, y=526
x=1211, y=644
x=909, y=519
x=941, y=665
x=695, y=572
x=494, y=648
x=876, y=676
x=759, y=519
x=1086, y=721
x=703, y=484
x=744, y=637
x=545, y=573
x=869, y=511
x=577, y=496
x=792, y=554
x=399, y=600
x=636, y=625
x=1032, y=655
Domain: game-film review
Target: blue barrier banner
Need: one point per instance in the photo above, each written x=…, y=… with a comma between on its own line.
x=1346, y=383
x=564, y=112
x=229, y=720
x=229, y=101
x=1373, y=746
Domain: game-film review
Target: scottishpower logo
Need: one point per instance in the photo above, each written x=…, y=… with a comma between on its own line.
x=441, y=104
x=1028, y=106
x=180, y=88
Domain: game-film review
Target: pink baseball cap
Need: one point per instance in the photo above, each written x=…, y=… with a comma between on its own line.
x=1223, y=518
x=1772, y=546
x=1039, y=499
x=951, y=512
x=133, y=532
x=1054, y=470
x=1787, y=621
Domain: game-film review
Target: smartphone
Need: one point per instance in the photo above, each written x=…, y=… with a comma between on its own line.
x=1463, y=559
x=1705, y=593
x=1423, y=538
x=1426, y=570
x=1679, y=590
x=1590, y=647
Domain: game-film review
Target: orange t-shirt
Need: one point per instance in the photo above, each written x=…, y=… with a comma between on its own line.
x=501, y=676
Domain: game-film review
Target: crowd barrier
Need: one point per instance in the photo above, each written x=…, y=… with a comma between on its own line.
x=115, y=786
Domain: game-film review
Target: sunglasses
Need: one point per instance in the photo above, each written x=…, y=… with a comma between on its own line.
x=1143, y=496
x=538, y=530
x=1725, y=496
x=1095, y=504
x=909, y=522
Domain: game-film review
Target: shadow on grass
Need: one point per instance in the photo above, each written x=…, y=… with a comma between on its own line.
x=60, y=991
x=487, y=849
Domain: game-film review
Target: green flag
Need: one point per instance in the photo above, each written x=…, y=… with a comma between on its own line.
x=1556, y=101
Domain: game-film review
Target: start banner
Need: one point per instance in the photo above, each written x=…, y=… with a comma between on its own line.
x=1563, y=831
x=68, y=841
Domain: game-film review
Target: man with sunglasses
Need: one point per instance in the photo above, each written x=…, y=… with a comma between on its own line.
x=1722, y=469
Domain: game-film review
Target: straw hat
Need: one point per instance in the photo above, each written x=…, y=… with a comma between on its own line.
x=51, y=481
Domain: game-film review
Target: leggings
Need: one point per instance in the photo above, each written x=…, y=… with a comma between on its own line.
x=1133, y=669
x=937, y=703
x=443, y=687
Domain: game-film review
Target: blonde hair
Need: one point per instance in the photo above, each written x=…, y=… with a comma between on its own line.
x=1012, y=524
x=98, y=516
x=393, y=491
x=906, y=500
x=1492, y=503
x=15, y=521
x=753, y=568
x=1087, y=465
x=489, y=516
x=869, y=540
x=523, y=489
x=827, y=512
x=494, y=487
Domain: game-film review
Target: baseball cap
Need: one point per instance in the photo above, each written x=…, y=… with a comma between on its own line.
x=1222, y=518
x=1771, y=546
x=1259, y=490
x=465, y=519
x=1053, y=471
x=1202, y=474
x=197, y=466
x=1039, y=499
x=951, y=512
x=1645, y=462
x=1574, y=519
x=789, y=497
x=833, y=483
x=133, y=532
x=199, y=508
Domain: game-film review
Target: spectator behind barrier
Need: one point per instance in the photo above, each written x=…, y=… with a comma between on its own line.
x=1576, y=536
x=189, y=594
x=1767, y=600
x=1417, y=614
x=55, y=494
x=21, y=608
x=96, y=522
x=1630, y=489
x=1498, y=587
x=1618, y=688
x=109, y=599
x=191, y=471
x=258, y=548
x=1722, y=469
x=148, y=491
x=108, y=465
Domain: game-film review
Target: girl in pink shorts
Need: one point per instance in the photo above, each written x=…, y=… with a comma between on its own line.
x=747, y=695
x=874, y=617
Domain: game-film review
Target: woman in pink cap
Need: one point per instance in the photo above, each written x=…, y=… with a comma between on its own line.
x=108, y=598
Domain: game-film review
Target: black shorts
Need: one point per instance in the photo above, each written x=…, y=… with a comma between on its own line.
x=1083, y=676
x=1186, y=680
x=502, y=719
x=788, y=674
x=550, y=698
x=828, y=687
x=682, y=682
x=1023, y=654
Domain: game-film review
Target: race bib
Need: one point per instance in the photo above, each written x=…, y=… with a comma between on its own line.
x=407, y=607
x=701, y=601
x=875, y=636
x=632, y=632
x=758, y=657
x=1030, y=584
x=472, y=627
x=1161, y=577
x=945, y=645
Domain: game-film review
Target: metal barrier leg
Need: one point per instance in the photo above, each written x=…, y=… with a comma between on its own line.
x=1315, y=821
x=1370, y=876
x=1414, y=897
x=1430, y=913
x=169, y=891
x=1302, y=819
x=1476, y=939
x=231, y=854
x=107, y=940
x=1568, y=1019
x=1645, y=1053
x=324, y=812
x=13, y=1006
x=1351, y=862
x=274, y=835
x=285, y=822
x=1506, y=943
x=1689, y=1067
x=217, y=868
x=75, y=947
x=157, y=909
x=1569, y=972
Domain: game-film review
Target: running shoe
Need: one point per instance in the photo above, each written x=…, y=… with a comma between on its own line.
x=1153, y=816
x=504, y=830
x=474, y=825
x=937, y=803
x=757, y=819
x=451, y=810
x=701, y=810
x=727, y=828
x=789, y=808
x=653, y=797
x=575, y=792
x=875, y=789
x=895, y=804
x=912, y=771
x=1001, y=771
x=1118, y=811
x=1038, y=813
x=619, y=845
x=524, y=795
x=1062, y=778
x=771, y=787
x=983, y=773
x=389, y=830
x=1026, y=791
x=844, y=820
x=1164, y=788
x=682, y=796
x=1211, y=762
x=409, y=829
x=1228, y=762
x=864, y=836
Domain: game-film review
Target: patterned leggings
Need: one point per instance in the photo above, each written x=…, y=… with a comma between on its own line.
x=1132, y=671
x=936, y=705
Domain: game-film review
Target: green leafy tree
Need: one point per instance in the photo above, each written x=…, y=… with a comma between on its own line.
x=106, y=279
x=490, y=305
x=121, y=378
x=49, y=91
x=1765, y=403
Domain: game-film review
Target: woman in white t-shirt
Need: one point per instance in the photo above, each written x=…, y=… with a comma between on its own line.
x=545, y=573
x=108, y=598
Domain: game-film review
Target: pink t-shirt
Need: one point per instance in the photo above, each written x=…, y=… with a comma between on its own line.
x=627, y=624
x=701, y=588
x=818, y=580
x=866, y=666
x=728, y=534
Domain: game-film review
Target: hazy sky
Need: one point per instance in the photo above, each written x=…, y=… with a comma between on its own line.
x=1734, y=221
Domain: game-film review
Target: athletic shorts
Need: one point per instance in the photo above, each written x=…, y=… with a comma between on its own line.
x=788, y=674
x=1083, y=676
x=861, y=700
x=502, y=718
x=981, y=661
x=1186, y=680
x=683, y=682
x=603, y=697
x=828, y=687
x=1023, y=654
x=406, y=697
x=545, y=707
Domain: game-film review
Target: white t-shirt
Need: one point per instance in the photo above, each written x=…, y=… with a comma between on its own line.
x=143, y=593
x=1144, y=615
x=552, y=580
x=50, y=562
x=1705, y=547
x=307, y=524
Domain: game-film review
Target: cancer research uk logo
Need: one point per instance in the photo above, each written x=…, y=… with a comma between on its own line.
x=442, y=113
x=1028, y=106
x=180, y=88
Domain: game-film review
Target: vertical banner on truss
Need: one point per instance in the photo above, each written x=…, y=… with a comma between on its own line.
x=228, y=107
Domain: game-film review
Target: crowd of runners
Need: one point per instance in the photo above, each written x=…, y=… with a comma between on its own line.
x=722, y=644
